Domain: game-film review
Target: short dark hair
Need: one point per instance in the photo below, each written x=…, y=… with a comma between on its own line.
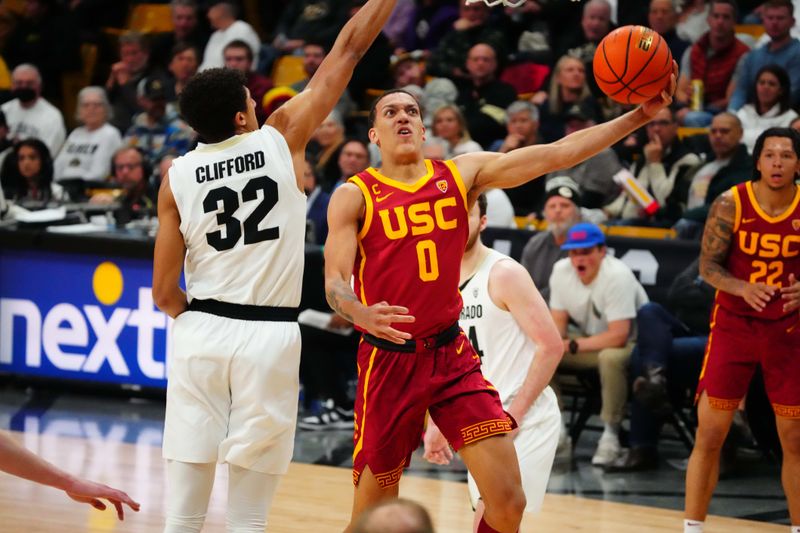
x=483, y=203
x=238, y=43
x=731, y=3
x=374, y=109
x=210, y=101
x=780, y=3
x=182, y=46
x=788, y=133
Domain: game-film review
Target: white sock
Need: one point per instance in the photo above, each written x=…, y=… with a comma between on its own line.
x=250, y=496
x=795, y=529
x=692, y=526
x=189, y=490
x=610, y=431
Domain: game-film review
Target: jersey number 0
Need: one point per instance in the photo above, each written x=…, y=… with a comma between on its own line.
x=233, y=226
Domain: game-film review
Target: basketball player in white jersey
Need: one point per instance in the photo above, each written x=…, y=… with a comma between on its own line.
x=232, y=217
x=508, y=322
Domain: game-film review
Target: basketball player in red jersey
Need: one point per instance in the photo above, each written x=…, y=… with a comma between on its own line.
x=751, y=255
x=401, y=231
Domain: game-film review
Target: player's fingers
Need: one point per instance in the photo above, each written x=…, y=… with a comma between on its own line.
x=394, y=309
x=392, y=335
x=402, y=318
x=791, y=306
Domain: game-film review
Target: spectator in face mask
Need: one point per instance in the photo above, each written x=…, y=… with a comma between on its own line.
x=28, y=114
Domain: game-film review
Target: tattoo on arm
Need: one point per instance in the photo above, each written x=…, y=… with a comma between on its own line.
x=717, y=239
x=337, y=294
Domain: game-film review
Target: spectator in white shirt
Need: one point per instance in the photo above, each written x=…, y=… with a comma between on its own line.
x=87, y=153
x=31, y=116
x=222, y=16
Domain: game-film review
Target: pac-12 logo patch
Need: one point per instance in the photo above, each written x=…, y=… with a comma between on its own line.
x=442, y=185
x=796, y=224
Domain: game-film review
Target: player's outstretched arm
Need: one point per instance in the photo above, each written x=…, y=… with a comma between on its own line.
x=299, y=117
x=482, y=171
x=344, y=212
x=18, y=461
x=512, y=288
x=169, y=254
x=716, y=244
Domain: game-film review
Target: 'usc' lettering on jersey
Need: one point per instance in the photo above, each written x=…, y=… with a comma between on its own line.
x=422, y=219
x=769, y=245
x=411, y=243
x=764, y=249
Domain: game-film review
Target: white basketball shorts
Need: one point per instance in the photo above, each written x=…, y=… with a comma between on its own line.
x=232, y=392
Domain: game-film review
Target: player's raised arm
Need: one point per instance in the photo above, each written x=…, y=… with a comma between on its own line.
x=714, y=253
x=299, y=117
x=482, y=171
x=344, y=213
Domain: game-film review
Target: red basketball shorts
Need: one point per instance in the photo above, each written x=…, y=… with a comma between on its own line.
x=396, y=389
x=736, y=344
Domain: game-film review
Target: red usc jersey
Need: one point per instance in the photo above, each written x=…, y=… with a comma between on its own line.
x=411, y=243
x=764, y=249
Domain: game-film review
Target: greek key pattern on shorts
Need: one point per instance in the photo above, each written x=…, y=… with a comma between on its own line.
x=390, y=478
x=485, y=429
x=356, y=476
x=723, y=404
x=786, y=411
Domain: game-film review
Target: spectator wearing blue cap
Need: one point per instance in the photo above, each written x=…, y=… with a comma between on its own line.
x=600, y=295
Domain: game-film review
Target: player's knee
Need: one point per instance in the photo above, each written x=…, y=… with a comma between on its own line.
x=790, y=442
x=711, y=437
x=510, y=503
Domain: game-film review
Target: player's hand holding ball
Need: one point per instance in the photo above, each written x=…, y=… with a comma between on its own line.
x=633, y=65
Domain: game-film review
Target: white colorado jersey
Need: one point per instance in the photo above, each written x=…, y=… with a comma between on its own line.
x=242, y=219
x=506, y=352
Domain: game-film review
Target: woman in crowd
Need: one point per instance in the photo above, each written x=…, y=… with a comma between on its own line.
x=449, y=124
x=568, y=88
x=87, y=152
x=27, y=175
x=768, y=104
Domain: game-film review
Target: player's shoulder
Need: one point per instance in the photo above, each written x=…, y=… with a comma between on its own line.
x=725, y=203
x=506, y=270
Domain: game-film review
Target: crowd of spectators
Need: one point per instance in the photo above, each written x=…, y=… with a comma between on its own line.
x=487, y=78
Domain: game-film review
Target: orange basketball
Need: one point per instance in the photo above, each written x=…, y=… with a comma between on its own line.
x=632, y=64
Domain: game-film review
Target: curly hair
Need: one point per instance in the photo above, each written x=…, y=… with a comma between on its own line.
x=210, y=101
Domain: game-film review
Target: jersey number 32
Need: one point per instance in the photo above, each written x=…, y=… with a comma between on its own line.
x=233, y=226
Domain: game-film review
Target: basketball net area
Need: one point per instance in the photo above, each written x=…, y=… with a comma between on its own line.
x=492, y=3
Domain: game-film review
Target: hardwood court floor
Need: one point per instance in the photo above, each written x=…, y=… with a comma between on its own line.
x=311, y=498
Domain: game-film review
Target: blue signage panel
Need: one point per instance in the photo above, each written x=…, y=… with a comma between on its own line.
x=84, y=317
